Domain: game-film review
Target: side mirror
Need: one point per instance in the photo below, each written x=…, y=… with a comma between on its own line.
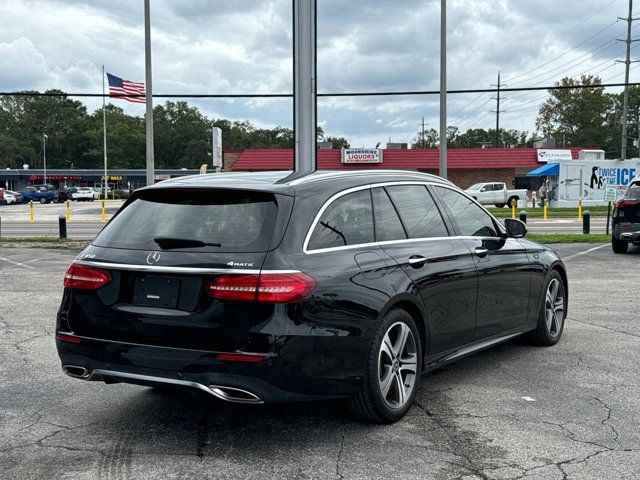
x=515, y=228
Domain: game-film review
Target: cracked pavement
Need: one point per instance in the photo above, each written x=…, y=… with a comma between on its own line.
x=515, y=411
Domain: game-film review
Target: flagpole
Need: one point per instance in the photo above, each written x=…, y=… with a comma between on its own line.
x=149, y=94
x=104, y=139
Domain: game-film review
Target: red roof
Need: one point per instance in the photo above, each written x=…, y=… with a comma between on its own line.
x=424, y=159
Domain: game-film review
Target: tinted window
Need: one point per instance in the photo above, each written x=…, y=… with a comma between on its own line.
x=346, y=221
x=418, y=211
x=388, y=224
x=471, y=219
x=238, y=221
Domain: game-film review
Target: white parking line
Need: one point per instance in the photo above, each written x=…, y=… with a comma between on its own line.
x=18, y=263
x=585, y=252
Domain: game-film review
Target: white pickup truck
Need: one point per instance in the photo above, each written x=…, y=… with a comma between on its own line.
x=495, y=193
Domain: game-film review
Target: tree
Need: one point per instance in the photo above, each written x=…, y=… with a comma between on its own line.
x=430, y=140
x=338, y=142
x=182, y=136
x=25, y=119
x=576, y=116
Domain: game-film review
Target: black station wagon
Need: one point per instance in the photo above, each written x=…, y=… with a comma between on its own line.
x=271, y=287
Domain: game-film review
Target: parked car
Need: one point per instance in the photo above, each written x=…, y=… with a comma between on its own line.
x=626, y=219
x=40, y=193
x=64, y=194
x=97, y=192
x=495, y=193
x=83, y=194
x=9, y=197
x=256, y=288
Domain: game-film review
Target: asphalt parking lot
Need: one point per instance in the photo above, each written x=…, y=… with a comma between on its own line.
x=514, y=411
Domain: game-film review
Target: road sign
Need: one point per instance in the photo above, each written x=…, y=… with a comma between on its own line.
x=610, y=193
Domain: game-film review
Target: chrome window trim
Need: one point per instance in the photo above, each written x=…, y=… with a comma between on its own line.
x=184, y=270
x=334, y=197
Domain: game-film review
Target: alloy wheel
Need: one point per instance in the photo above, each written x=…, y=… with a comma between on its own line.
x=397, y=365
x=554, y=307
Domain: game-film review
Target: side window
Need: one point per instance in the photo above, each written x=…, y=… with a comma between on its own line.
x=418, y=211
x=388, y=224
x=471, y=219
x=347, y=221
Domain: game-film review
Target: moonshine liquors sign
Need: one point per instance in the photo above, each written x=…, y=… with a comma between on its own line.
x=361, y=155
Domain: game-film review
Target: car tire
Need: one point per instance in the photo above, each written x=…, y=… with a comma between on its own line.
x=619, y=246
x=392, y=371
x=500, y=205
x=511, y=199
x=43, y=200
x=553, y=311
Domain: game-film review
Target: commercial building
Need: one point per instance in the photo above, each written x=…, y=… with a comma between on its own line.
x=118, y=179
x=466, y=166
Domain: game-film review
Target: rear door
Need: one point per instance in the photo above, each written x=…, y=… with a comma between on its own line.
x=168, y=253
x=414, y=234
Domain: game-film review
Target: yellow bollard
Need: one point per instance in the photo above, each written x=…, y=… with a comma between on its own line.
x=513, y=209
x=68, y=212
x=579, y=209
x=103, y=213
x=31, y=212
x=546, y=217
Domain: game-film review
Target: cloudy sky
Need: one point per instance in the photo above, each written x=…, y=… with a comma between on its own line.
x=244, y=46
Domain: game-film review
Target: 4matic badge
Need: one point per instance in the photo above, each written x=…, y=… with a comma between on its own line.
x=239, y=264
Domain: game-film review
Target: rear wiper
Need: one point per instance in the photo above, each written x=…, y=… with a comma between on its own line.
x=171, y=242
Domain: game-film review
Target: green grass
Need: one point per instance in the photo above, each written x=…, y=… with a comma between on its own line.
x=600, y=211
x=569, y=237
x=49, y=241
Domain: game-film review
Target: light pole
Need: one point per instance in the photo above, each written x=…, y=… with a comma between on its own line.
x=44, y=156
x=442, y=171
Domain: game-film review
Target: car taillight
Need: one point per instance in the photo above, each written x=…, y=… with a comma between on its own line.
x=86, y=278
x=627, y=203
x=268, y=287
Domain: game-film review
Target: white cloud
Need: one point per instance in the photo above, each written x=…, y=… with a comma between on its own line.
x=221, y=46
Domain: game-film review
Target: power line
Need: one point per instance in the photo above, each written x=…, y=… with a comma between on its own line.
x=399, y=93
x=564, y=53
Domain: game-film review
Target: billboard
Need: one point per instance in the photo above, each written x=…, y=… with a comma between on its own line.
x=361, y=155
x=588, y=179
x=216, y=147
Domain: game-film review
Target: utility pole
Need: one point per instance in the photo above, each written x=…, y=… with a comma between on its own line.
x=443, y=90
x=637, y=130
x=422, y=135
x=625, y=100
x=149, y=94
x=497, y=111
x=304, y=86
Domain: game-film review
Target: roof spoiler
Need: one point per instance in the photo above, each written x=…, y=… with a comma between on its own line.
x=294, y=176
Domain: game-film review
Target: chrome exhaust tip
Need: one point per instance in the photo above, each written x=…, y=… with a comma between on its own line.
x=233, y=394
x=75, y=371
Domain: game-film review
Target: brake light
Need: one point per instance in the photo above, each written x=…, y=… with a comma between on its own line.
x=627, y=203
x=86, y=278
x=268, y=287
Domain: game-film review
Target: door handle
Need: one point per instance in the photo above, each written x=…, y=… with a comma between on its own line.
x=482, y=252
x=417, y=261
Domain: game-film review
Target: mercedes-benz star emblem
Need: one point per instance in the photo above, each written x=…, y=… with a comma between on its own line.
x=153, y=257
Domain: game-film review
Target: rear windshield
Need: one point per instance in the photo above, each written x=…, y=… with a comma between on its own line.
x=237, y=221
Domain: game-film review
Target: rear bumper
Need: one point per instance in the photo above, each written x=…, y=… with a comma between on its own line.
x=630, y=233
x=289, y=376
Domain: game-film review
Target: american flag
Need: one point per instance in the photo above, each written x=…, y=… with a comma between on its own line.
x=124, y=89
